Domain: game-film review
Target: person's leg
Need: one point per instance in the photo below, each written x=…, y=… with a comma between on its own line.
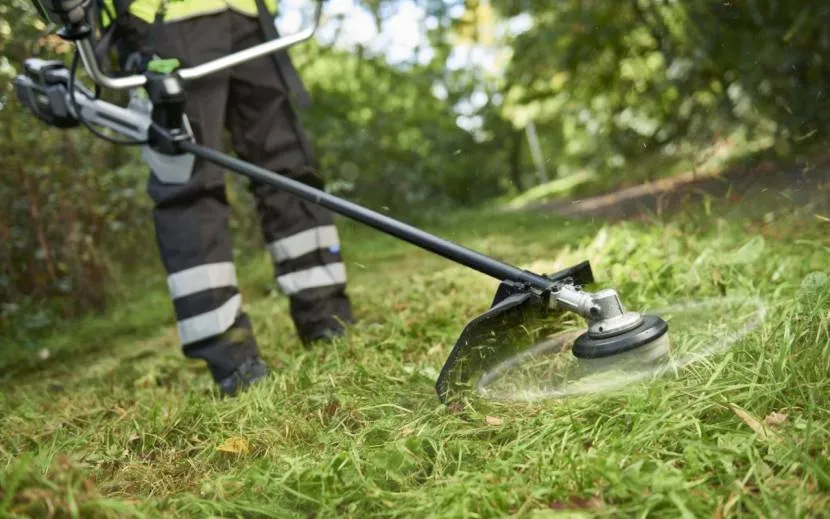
x=191, y=219
x=301, y=237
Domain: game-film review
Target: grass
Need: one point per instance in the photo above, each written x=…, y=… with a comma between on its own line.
x=117, y=423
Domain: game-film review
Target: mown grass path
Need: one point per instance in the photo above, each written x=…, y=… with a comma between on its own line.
x=117, y=423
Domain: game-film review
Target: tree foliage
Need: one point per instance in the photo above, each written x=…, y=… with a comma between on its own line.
x=613, y=80
x=56, y=208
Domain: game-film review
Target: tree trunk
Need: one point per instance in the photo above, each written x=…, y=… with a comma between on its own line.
x=516, y=140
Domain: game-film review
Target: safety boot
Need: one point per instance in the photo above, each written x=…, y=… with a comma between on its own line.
x=252, y=370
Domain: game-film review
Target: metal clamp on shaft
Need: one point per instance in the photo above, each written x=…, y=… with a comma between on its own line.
x=603, y=310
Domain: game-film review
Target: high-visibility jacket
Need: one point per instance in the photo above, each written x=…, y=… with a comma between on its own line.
x=176, y=10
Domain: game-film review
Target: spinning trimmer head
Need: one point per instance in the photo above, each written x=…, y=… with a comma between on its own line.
x=521, y=318
x=618, y=339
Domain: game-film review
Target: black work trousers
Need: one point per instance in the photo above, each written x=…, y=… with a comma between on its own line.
x=191, y=219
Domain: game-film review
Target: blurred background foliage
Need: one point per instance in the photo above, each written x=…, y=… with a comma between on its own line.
x=497, y=99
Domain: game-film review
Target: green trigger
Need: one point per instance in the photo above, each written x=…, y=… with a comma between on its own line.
x=163, y=66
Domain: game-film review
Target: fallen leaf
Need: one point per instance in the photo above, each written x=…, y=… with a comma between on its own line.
x=577, y=503
x=493, y=420
x=64, y=463
x=235, y=445
x=752, y=422
x=134, y=437
x=775, y=418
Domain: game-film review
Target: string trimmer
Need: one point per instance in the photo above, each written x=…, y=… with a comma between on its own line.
x=526, y=304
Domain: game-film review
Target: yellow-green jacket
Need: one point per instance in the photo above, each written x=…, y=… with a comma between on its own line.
x=177, y=10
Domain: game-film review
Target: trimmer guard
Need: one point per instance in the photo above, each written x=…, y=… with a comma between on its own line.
x=518, y=317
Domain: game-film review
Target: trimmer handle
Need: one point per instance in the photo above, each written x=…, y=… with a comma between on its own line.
x=92, y=67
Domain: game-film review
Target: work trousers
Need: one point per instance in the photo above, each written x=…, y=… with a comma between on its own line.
x=191, y=219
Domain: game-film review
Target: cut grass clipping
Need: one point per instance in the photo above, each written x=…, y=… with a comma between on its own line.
x=126, y=427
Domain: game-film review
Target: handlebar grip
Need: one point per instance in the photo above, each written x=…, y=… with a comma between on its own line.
x=205, y=69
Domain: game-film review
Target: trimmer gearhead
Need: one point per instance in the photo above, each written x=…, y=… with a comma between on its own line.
x=615, y=336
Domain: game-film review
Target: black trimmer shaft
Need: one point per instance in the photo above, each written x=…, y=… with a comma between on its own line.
x=452, y=251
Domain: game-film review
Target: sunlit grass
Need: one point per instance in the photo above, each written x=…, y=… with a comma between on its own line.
x=117, y=423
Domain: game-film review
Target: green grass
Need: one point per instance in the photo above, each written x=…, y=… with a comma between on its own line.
x=117, y=423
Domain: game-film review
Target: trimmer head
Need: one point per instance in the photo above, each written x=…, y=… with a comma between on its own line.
x=616, y=339
x=549, y=370
x=650, y=329
x=644, y=357
x=616, y=336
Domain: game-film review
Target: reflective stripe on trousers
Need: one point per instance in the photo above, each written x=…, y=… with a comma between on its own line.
x=203, y=277
x=296, y=245
x=218, y=283
x=316, y=277
x=212, y=323
x=321, y=248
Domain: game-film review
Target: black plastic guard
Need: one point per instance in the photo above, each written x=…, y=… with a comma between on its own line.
x=517, y=318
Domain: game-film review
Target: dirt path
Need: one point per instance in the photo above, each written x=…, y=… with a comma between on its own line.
x=799, y=184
